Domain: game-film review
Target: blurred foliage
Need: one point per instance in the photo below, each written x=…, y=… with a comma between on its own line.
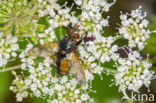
x=4, y=86
x=103, y=90
x=151, y=43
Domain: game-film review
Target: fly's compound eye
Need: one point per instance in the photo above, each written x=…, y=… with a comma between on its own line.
x=69, y=32
x=76, y=35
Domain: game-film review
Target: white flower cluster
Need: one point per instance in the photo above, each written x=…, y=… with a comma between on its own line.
x=46, y=5
x=101, y=50
x=18, y=87
x=133, y=73
x=134, y=28
x=58, y=18
x=47, y=36
x=8, y=48
x=63, y=17
x=94, y=5
x=90, y=21
x=43, y=81
x=91, y=16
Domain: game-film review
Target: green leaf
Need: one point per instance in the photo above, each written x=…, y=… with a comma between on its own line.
x=44, y=21
x=104, y=92
x=60, y=31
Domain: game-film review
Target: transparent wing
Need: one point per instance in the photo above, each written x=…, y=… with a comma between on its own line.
x=45, y=50
x=76, y=70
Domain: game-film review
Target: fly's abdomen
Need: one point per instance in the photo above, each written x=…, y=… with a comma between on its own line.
x=64, y=66
x=62, y=63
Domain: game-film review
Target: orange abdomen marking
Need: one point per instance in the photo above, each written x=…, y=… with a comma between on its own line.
x=64, y=66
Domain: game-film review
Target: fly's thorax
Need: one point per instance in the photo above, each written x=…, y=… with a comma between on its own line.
x=65, y=44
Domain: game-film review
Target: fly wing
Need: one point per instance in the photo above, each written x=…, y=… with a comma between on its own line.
x=76, y=70
x=45, y=50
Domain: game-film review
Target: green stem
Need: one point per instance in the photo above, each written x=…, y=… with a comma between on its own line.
x=11, y=68
x=118, y=37
x=110, y=70
x=153, y=31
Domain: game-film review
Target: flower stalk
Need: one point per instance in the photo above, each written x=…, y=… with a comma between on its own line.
x=10, y=68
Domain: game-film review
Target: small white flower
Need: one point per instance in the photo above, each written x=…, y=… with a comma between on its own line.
x=84, y=97
x=33, y=87
x=28, y=81
x=19, y=99
x=24, y=94
x=8, y=48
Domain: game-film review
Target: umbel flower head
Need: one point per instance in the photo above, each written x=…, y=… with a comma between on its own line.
x=134, y=28
x=101, y=50
x=18, y=16
x=133, y=73
x=91, y=16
